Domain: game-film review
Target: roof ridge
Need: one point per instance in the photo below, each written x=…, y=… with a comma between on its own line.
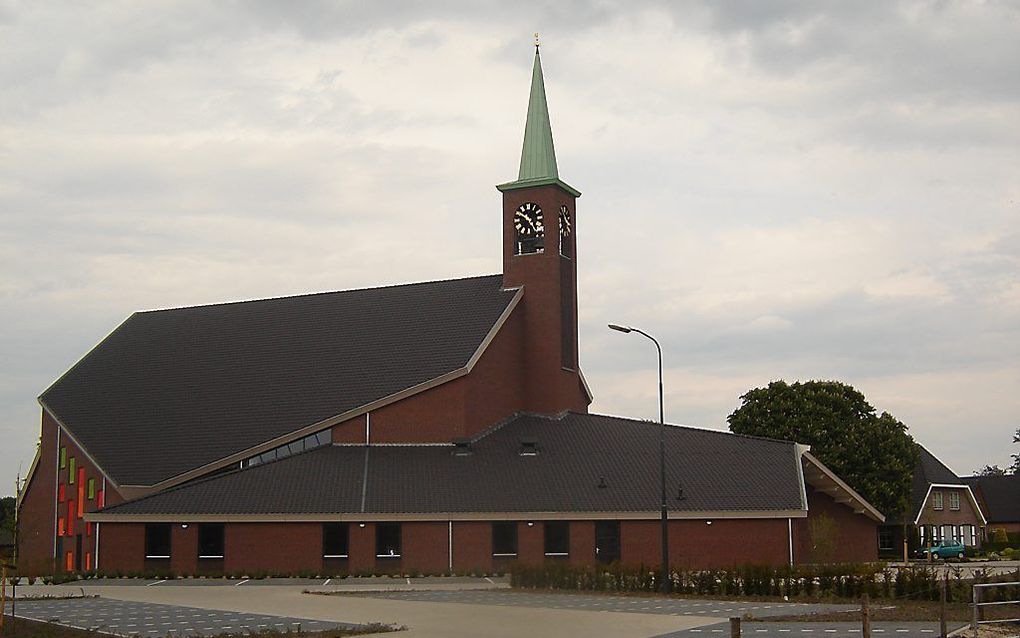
x=696, y=428
x=315, y=294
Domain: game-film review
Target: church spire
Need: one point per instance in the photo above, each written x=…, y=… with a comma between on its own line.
x=538, y=158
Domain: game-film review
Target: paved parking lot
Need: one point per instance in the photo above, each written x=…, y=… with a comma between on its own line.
x=632, y=604
x=380, y=582
x=816, y=630
x=125, y=618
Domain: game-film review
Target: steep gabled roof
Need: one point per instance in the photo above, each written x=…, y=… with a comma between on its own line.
x=173, y=390
x=718, y=471
x=999, y=496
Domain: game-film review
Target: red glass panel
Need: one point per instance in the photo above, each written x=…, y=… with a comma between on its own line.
x=102, y=498
x=81, y=491
x=70, y=517
x=88, y=561
x=60, y=526
x=61, y=493
x=88, y=528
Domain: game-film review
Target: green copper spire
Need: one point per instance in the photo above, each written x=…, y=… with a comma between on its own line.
x=538, y=157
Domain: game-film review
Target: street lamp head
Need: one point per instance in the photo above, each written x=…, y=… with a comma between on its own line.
x=620, y=328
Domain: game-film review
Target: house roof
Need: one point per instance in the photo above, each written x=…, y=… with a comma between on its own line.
x=999, y=496
x=928, y=471
x=173, y=390
x=718, y=471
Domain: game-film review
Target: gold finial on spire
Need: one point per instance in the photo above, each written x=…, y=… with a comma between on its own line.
x=537, y=41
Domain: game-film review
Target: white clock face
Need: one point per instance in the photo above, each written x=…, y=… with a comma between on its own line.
x=565, y=224
x=528, y=220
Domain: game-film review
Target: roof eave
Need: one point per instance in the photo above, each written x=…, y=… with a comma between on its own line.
x=542, y=181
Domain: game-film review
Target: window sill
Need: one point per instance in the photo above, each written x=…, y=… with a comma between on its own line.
x=557, y=554
x=211, y=557
x=514, y=555
x=334, y=555
x=156, y=557
x=387, y=555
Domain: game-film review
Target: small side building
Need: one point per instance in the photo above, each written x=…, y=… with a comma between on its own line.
x=999, y=497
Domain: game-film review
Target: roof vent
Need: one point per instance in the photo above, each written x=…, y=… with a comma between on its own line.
x=462, y=447
x=602, y=483
x=529, y=446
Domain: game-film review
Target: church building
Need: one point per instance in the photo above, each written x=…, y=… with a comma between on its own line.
x=427, y=427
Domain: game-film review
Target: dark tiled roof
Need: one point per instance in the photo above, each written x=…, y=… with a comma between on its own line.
x=718, y=471
x=999, y=495
x=6, y=538
x=927, y=471
x=172, y=390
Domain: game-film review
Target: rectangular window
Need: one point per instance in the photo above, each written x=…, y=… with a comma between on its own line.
x=504, y=539
x=61, y=493
x=334, y=540
x=92, y=489
x=937, y=500
x=210, y=540
x=63, y=457
x=557, y=538
x=88, y=561
x=969, y=536
x=885, y=538
x=954, y=500
x=60, y=526
x=68, y=562
x=387, y=540
x=101, y=498
x=88, y=528
x=71, y=510
x=157, y=540
x=81, y=492
x=71, y=471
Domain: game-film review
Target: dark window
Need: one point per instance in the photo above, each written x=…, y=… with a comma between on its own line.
x=387, y=540
x=334, y=540
x=568, y=358
x=210, y=540
x=157, y=540
x=504, y=539
x=885, y=538
x=557, y=538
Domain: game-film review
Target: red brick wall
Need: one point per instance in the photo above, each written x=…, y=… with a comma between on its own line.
x=855, y=535
x=530, y=543
x=696, y=544
x=39, y=503
x=122, y=547
x=425, y=547
x=582, y=542
x=272, y=547
x=361, y=548
x=472, y=547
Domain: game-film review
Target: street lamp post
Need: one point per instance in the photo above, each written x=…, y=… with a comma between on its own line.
x=666, y=581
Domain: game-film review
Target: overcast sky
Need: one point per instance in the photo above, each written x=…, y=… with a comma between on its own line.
x=777, y=190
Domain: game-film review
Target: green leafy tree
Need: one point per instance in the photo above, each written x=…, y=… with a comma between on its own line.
x=991, y=470
x=1016, y=457
x=871, y=452
x=7, y=505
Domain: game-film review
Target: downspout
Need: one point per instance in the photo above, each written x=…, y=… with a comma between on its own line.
x=449, y=540
x=789, y=535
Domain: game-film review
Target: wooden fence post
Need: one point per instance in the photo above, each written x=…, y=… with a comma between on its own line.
x=942, y=607
x=977, y=599
x=3, y=593
x=734, y=627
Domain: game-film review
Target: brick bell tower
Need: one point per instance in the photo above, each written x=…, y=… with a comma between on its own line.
x=539, y=254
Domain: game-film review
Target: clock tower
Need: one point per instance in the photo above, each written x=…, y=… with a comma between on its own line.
x=540, y=256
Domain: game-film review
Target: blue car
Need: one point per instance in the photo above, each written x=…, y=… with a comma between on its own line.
x=944, y=549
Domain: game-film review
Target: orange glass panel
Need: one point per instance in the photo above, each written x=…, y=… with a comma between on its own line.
x=60, y=526
x=68, y=561
x=88, y=561
x=70, y=517
x=88, y=528
x=81, y=491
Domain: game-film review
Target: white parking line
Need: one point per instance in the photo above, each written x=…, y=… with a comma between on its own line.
x=241, y=583
x=155, y=583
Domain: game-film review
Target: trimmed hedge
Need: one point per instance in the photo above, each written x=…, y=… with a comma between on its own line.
x=846, y=581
